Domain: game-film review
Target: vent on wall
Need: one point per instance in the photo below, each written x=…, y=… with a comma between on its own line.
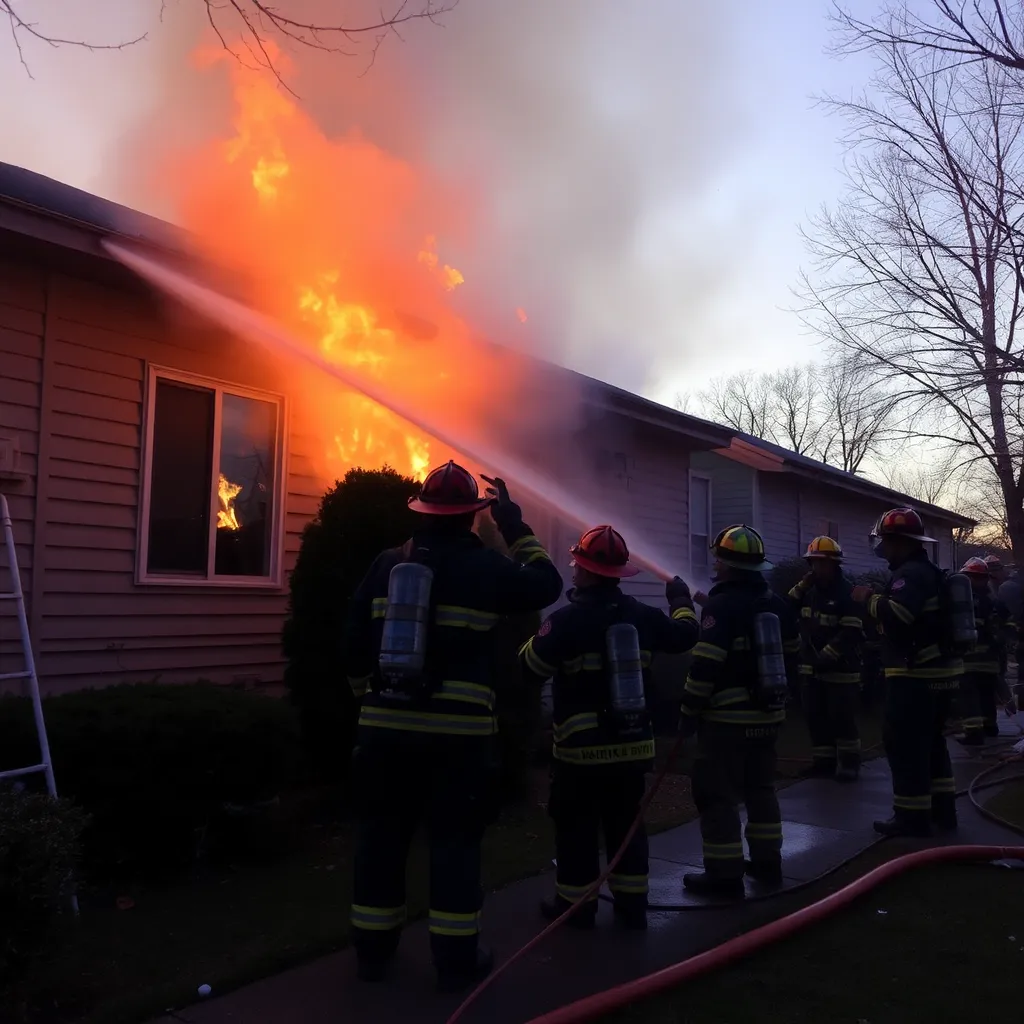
x=10, y=459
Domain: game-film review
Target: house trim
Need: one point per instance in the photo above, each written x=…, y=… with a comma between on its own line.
x=275, y=580
x=696, y=474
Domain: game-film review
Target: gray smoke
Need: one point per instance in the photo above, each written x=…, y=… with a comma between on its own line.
x=588, y=138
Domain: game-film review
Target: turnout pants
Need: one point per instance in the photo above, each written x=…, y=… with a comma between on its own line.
x=977, y=702
x=831, y=712
x=584, y=802
x=915, y=745
x=736, y=764
x=401, y=779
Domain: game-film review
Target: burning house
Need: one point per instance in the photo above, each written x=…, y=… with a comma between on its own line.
x=159, y=471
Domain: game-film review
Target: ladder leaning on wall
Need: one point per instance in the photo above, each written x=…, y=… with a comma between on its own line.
x=28, y=673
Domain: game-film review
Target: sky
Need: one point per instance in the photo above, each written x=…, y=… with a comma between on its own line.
x=639, y=172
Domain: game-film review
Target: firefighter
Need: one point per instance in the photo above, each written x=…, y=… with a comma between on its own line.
x=983, y=665
x=603, y=741
x=735, y=721
x=831, y=634
x=921, y=676
x=426, y=743
x=1007, y=592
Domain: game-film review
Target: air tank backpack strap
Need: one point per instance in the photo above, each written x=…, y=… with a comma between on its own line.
x=404, y=677
x=771, y=690
x=626, y=711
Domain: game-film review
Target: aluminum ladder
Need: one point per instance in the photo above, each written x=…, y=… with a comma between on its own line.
x=17, y=595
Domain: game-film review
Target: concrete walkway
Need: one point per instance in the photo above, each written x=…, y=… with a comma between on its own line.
x=824, y=824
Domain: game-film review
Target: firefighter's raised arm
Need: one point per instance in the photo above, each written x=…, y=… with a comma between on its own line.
x=677, y=632
x=529, y=581
x=709, y=658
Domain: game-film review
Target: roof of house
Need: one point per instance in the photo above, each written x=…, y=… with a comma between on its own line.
x=29, y=200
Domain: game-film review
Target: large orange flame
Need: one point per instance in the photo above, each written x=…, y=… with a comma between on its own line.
x=341, y=240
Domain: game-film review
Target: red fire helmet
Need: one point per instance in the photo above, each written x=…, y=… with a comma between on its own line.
x=449, y=491
x=901, y=522
x=603, y=552
x=975, y=567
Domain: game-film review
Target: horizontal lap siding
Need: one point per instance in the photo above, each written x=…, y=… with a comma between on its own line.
x=97, y=626
x=21, y=369
x=732, y=489
x=652, y=500
x=779, y=515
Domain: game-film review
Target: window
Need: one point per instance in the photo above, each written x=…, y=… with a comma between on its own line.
x=700, y=522
x=211, y=508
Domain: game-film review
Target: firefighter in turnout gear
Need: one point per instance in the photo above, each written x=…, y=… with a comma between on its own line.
x=983, y=665
x=921, y=676
x=418, y=647
x=736, y=712
x=598, y=650
x=831, y=632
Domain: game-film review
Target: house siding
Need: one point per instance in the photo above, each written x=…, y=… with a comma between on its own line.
x=22, y=305
x=780, y=513
x=732, y=489
x=93, y=625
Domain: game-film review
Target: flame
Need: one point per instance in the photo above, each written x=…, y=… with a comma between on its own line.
x=226, y=494
x=342, y=241
x=521, y=313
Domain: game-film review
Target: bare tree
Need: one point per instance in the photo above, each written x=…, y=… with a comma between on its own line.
x=920, y=267
x=250, y=30
x=829, y=413
x=856, y=413
x=955, y=30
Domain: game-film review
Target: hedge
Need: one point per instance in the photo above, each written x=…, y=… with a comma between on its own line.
x=40, y=844
x=154, y=764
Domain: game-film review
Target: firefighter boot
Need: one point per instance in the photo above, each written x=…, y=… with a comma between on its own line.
x=766, y=874
x=584, y=919
x=703, y=884
x=898, y=827
x=450, y=980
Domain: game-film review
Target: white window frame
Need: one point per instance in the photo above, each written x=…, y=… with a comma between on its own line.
x=274, y=581
x=696, y=475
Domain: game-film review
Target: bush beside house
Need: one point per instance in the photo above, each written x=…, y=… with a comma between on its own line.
x=156, y=765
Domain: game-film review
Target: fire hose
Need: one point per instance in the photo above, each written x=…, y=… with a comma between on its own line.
x=601, y=1003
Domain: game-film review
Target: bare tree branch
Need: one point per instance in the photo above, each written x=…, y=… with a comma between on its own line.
x=829, y=413
x=920, y=268
x=253, y=28
x=960, y=32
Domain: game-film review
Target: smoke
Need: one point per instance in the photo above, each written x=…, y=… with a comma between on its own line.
x=584, y=138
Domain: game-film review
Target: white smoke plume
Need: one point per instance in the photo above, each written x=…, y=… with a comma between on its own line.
x=589, y=135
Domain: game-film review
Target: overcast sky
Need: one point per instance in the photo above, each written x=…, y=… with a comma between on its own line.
x=642, y=168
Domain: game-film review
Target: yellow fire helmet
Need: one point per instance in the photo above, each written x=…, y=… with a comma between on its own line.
x=824, y=547
x=742, y=548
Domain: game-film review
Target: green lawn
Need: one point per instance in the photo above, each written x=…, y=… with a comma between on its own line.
x=233, y=926
x=948, y=949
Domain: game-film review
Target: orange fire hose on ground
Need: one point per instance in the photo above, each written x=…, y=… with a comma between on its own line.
x=601, y=1003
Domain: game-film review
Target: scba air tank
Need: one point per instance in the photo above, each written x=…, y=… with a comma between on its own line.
x=403, y=647
x=625, y=673
x=772, y=684
x=963, y=630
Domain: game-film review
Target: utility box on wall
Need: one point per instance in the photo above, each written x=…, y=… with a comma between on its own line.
x=10, y=459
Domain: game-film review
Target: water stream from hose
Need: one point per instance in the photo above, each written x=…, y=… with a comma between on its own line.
x=247, y=323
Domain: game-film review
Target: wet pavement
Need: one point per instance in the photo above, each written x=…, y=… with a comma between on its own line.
x=824, y=824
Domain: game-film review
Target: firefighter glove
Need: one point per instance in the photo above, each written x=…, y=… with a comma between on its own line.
x=677, y=592
x=507, y=515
